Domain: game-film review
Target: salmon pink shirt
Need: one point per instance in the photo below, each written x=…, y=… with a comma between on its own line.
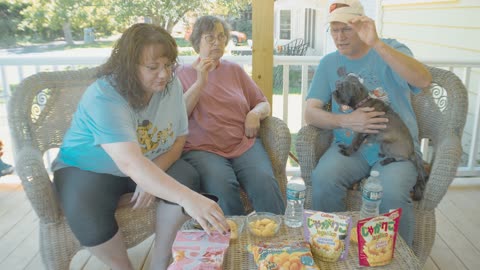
x=217, y=123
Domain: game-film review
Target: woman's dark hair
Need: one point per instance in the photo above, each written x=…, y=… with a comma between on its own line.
x=126, y=55
x=206, y=24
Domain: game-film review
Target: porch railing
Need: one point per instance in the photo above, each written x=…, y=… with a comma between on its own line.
x=15, y=68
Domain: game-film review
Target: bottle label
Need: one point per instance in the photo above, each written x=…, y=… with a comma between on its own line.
x=295, y=194
x=372, y=195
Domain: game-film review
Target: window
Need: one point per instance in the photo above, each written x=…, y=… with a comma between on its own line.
x=285, y=24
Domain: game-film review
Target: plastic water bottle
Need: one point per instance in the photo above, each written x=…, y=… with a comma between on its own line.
x=295, y=200
x=371, y=196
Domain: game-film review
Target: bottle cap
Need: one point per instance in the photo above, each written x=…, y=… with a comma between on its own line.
x=296, y=179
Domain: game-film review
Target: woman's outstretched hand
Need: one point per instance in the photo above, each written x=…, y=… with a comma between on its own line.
x=141, y=198
x=206, y=212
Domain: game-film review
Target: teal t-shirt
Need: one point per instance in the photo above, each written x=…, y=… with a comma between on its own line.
x=103, y=116
x=379, y=78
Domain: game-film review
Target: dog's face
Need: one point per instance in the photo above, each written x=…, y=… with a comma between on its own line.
x=349, y=91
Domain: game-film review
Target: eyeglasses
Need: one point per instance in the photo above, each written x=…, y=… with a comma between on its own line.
x=157, y=68
x=210, y=39
x=345, y=30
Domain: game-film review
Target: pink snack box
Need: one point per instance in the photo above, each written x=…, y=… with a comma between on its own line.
x=196, y=250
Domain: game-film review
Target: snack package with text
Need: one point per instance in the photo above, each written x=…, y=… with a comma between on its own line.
x=377, y=237
x=283, y=255
x=328, y=235
x=196, y=250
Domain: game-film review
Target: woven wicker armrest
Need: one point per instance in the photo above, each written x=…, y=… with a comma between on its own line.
x=311, y=143
x=36, y=183
x=441, y=111
x=276, y=139
x=448, y=153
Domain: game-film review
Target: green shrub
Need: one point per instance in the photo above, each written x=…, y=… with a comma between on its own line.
x=181, y=42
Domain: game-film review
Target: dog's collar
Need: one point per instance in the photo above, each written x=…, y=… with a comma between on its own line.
x=359, y=104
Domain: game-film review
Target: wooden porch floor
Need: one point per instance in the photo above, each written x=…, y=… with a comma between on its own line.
x=457, y=242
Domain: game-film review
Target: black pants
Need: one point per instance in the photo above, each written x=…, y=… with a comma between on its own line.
x=89, y=199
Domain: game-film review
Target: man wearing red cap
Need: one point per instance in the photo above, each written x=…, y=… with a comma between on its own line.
x=388, y=69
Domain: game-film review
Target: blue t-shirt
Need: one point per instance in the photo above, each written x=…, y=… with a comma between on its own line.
x=103, y=116
x=383, y=82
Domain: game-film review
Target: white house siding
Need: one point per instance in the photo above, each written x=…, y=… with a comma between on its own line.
x=439, y=31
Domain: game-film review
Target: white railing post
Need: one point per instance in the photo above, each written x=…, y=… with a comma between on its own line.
x=285, y=92
x=472, y=156
x=304, y=90
x=6, y=85
x=466, y=76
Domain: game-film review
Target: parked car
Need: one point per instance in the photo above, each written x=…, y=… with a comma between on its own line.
x=235, y=36
x=238, y=37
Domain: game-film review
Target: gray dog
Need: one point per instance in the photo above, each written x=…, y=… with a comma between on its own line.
x=396, y=143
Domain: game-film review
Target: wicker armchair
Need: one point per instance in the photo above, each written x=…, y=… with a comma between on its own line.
x=441, y=113
x=40, y=111
x=276, y=139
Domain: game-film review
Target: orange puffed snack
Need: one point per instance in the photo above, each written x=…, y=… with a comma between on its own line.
x=377, y=237
x=292, y=255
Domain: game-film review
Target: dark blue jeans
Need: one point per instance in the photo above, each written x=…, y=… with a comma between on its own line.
x=335, y=173
x=252, y=171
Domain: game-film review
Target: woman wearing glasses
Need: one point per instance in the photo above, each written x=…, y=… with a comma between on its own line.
x=225, y=107
x=127, y=136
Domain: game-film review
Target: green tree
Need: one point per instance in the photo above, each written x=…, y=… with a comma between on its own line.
x=231, y=8
x=67, y=18
x=10, y=18
x=166, y=13
x=65, y=11
x=50, y=19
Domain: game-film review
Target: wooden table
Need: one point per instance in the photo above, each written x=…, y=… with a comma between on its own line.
x=238, y=258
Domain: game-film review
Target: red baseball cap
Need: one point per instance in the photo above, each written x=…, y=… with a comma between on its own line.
x=345, y=10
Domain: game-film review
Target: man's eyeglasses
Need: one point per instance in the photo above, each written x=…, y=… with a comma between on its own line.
x=345, y=30
x=210, y=39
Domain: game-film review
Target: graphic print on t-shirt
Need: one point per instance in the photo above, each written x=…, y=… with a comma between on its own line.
x=150, y=138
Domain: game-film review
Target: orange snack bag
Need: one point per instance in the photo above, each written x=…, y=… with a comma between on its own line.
x=283, y=255
x=377, y=237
